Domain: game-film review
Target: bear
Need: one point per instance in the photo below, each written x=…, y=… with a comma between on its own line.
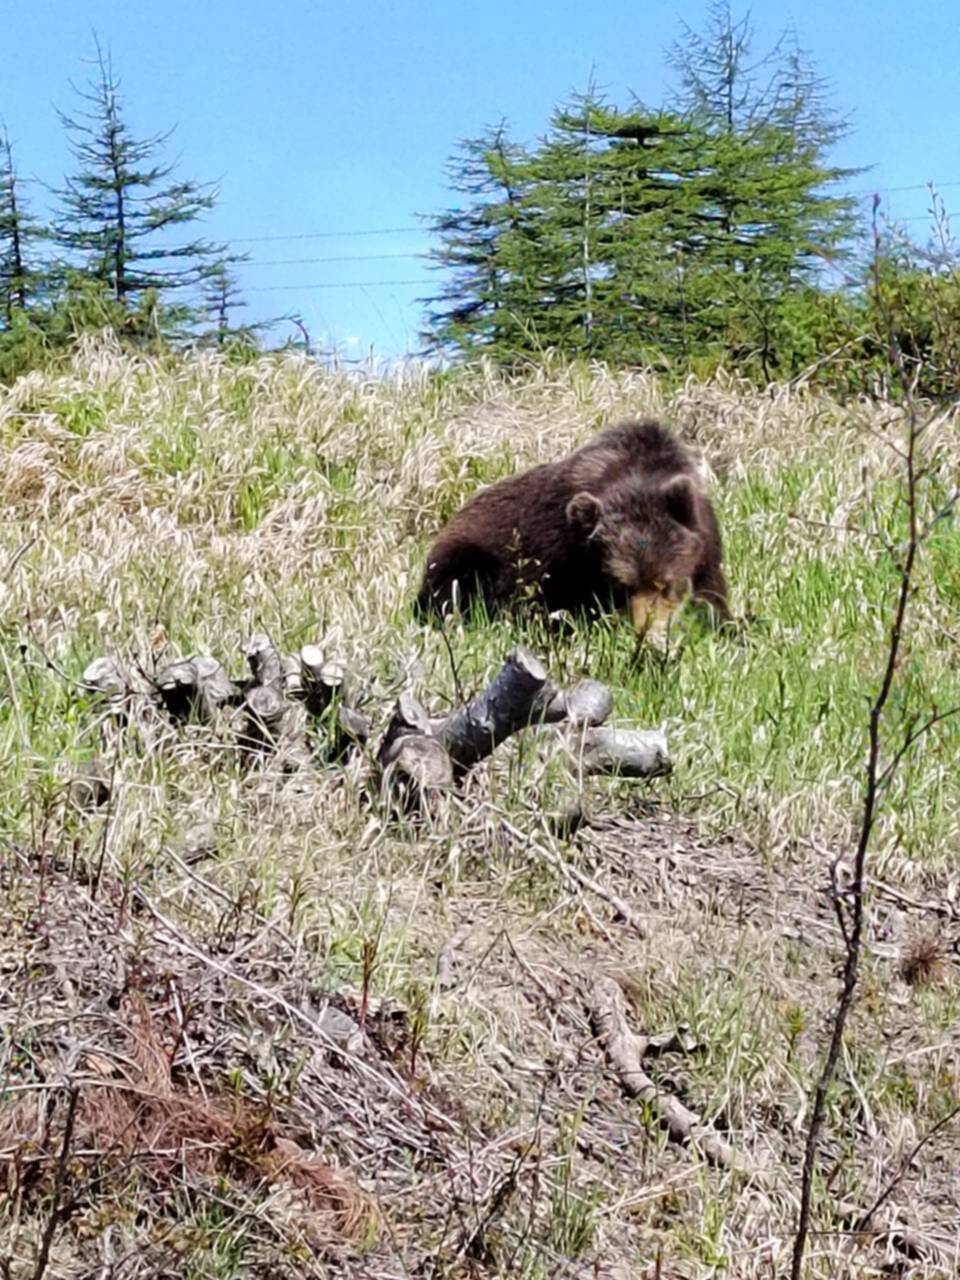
x=622, y=523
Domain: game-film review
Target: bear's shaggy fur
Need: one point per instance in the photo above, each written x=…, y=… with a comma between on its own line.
x=622, y=522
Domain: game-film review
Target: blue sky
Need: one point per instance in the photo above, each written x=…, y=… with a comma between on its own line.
x=324, y=119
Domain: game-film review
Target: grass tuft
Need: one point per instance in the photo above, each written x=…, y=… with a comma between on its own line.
x=233, y=1116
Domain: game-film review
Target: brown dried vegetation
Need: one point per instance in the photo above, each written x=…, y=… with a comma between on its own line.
x=319, y=1042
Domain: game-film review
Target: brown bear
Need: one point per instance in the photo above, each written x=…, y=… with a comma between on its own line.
x=622, y=522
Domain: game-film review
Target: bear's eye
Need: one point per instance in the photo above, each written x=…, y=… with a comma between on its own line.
x=639, y=541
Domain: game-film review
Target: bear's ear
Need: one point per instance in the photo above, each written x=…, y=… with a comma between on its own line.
x=583, y=513
x=680, y=500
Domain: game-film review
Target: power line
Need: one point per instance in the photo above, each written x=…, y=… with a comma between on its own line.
x=396, y=257
x=346, y=257
x=384, y=231
x=920, y=186
x=325, y=235
x=391, y=231
x=344, y=284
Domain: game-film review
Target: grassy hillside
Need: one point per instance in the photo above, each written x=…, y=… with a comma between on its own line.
x=154, y=510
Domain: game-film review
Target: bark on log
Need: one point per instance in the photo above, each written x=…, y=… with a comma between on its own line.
x=625, y=1051
x=417, y=770
x=196, y=687
x=415, y=765
x=353, y=728
x=316, y=681
x=504, y=707
x=269, y=722
x=588, y=703
x=262, y=723
x=291, y=678
x=108, y=678
x=264, y=660
x=624, y=753
x=409, y=717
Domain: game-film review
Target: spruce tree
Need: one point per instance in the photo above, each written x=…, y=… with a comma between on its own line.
x=768, y=214
x=20, y=275
x=641, y=236
x=221, y=297
x=484, y=250
x=616, y=182
x=561, y=247
x=119, y=209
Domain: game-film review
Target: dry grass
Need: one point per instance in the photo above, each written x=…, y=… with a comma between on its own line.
x=474, y=1128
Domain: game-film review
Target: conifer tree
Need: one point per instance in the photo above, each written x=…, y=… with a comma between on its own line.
x=20, y=275
x=119, y=208
x=220, y=299
x=568, y=247
x=638, y=236
x=485, y=250
x=768, y=213
x=615, y=183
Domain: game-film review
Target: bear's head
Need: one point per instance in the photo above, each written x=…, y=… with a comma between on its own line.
x=649, y=541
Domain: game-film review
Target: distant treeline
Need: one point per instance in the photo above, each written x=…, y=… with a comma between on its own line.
x=118, y=252
x=712, y=232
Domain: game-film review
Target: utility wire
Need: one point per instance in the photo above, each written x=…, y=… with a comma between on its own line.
x=391, y=231
x=344, y=284
x=325, y=235
x=346, y=257
x=385, y=231
x=920, y=186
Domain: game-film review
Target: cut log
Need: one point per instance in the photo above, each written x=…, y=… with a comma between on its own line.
x=291, y=678
x=504, y=707
x=353, y=728
x=624, y=753
x=588, y=703
x=415, y=766
x=417, y=771
x=196, y=687
x=107, y=677
x=262, y=722
x=409, y=717
x=264, y=660
x=568, y=755
x=321, y=680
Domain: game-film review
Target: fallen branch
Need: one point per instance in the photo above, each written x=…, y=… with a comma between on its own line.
x=579, y=878
x=625, y=1052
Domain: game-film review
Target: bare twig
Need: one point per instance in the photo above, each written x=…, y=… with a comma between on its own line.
x=855, y=893
x=850, y=904
x=570, y=872
x=911, y=737
x=865, y=1218
x=50, y=1230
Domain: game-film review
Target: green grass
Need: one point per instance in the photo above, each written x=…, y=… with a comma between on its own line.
x=165, y=509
